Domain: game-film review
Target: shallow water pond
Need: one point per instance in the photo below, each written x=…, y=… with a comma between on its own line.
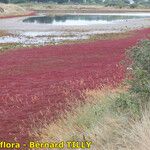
x=82, y=19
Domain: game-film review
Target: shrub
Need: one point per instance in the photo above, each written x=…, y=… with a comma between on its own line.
x=140, y=56
x=133, y=5
x=125, y=103
x=119, y=3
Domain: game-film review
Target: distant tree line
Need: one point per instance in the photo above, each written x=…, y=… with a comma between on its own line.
x=119, y=3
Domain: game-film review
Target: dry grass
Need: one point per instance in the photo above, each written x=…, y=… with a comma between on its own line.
x=4, y=47
x=137, y=136
x=85, y=122
x=96, y=122
x=111, y=36
x=118, y=133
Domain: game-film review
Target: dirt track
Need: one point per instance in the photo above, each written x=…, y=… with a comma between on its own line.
x=40, y=83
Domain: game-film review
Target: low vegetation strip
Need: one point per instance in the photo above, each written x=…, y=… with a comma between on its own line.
x=38, y=84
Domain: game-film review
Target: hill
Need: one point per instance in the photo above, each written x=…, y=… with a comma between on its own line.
x=11, y=10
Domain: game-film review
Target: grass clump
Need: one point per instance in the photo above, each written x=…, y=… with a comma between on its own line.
x=5, y=47
x=125, y=103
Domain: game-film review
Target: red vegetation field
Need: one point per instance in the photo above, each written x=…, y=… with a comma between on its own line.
x=40, y=83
